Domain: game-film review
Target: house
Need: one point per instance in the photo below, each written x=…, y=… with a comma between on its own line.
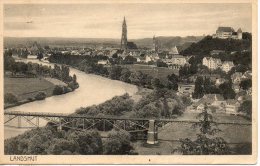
x=212, y=77
x=174, y=51
x=249, y=91
x=103, y=62
x=236, y=77
x=32, y=57
x=152, y=57
x=228, y=33
x=200, y=107
x=220, y=81
x=217, y=99
x=247, y=75
x=236, y=88
x=179, y=60
x=227, y=66
x=211, y=63
x=140, y=59
x=232, y=106
x=186, y=89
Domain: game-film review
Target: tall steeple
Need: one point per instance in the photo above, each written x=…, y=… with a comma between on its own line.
x=155, y=44
x=124, y=36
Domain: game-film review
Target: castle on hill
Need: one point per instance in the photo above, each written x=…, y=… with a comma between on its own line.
x=228, y=33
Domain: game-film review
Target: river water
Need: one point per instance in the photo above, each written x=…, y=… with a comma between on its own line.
x=92, y=90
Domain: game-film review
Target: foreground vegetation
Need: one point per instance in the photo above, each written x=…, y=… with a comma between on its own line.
x=49, y=141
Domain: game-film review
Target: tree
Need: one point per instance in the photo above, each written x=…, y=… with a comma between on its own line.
x=246, y=84
x=198, y=91
x=161, y=64
x=246, y=108
x=173, y=82
x=156, y=83
x=88, y=142
x=40, y=95
x=227, y=91
x=8, y=63
x=10, y=98
x=205, y=143
x=115, y=72
x=118, y=143
x=74, y=79
x=58, y=90
x=125, y=74
x=40, y=55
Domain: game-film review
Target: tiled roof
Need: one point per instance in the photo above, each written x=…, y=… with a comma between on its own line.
x=213, y=97
x=225, y=29
x=228, y=63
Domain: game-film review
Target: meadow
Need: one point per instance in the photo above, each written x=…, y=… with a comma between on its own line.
x=157, y=72
x=25, y=88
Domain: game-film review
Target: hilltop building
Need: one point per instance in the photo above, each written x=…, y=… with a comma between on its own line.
x=124, y=36
x=228, y=33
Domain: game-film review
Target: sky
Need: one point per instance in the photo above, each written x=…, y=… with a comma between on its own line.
x=105, y=20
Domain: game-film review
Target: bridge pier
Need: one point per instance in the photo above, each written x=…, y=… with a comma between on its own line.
x=152, y=137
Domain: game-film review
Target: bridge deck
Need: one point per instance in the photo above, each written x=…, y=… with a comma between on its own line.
x=78, y=116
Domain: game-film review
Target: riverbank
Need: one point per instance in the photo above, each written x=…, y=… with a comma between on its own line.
x=25, y=90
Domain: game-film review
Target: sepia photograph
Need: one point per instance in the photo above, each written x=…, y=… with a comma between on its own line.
x=90, y=81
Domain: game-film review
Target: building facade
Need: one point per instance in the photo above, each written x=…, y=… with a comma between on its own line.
x=211, y=63
x=228, y=33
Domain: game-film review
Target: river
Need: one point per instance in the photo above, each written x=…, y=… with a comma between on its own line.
x=92, y=90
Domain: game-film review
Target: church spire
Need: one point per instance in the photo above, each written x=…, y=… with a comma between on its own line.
x=124, y=36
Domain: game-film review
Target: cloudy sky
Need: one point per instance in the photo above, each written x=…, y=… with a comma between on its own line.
x=104, y=20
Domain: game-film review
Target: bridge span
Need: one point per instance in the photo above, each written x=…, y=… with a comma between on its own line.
x=103, y=123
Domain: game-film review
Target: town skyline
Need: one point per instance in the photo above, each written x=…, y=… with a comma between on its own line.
x=90, y=21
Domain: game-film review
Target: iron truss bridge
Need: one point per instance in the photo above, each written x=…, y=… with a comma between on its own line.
x=104, y=123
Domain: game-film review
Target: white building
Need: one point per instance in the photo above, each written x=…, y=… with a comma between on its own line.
x=152, y=57
x=227, y=66
x=174, y=51
x=103, y=62
x=179, y=60
x=232, y=106
x=211, y=63
x=228, y=33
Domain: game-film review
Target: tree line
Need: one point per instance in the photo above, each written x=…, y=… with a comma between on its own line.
x=48, y=141
x=89, y=64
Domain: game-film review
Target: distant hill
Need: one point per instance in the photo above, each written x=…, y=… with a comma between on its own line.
x=207, y=44
x=55, y=41
x=165, y=42
x=168, y=42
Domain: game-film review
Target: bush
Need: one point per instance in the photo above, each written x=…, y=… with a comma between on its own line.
x=10, y=98
x=40, y=96
x=58, y=90
x=30, y=99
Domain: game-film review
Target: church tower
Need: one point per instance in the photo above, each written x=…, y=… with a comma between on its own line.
x=124, y=36
x=155, y=44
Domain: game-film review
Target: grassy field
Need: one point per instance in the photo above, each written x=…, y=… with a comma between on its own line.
x=158, y=72
x=172, y=132
x=25, y=88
